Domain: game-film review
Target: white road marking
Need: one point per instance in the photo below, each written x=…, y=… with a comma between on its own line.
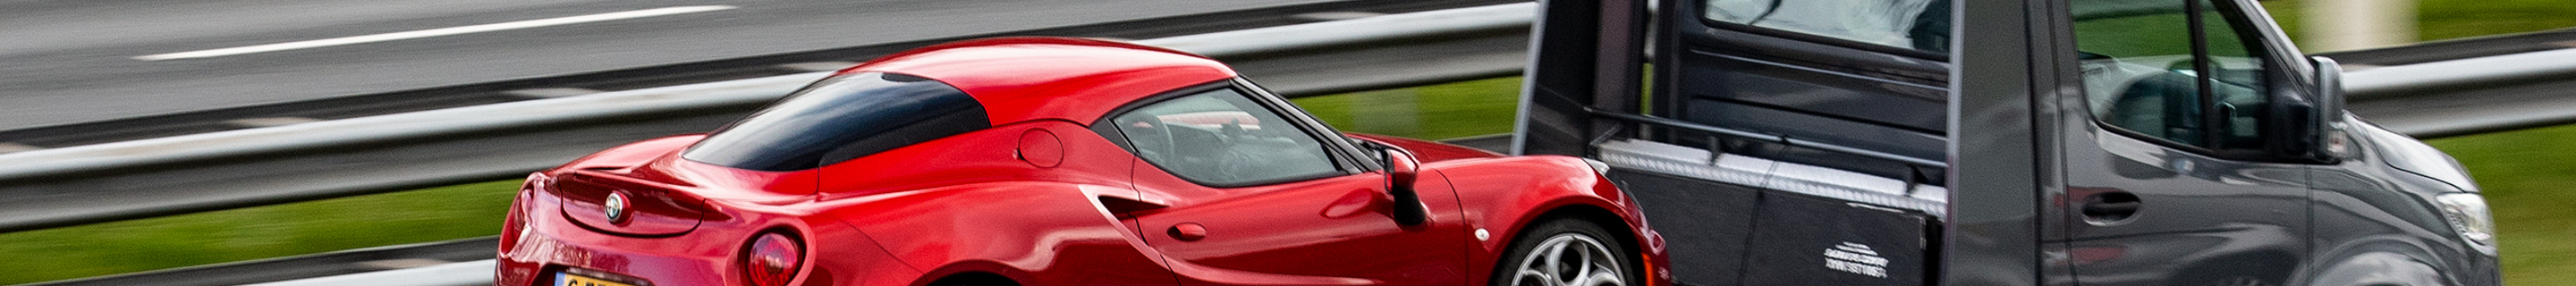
x=6, y=147
x=1335, y=15
x=552, y=92
x=435, y=32
x=270, y=121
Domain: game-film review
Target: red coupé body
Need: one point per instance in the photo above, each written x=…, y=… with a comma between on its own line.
x=1053, y=161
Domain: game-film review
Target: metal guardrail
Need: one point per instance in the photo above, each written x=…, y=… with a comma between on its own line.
x=2436, y=77
x=2453, y=49
x=2468, y=96
x=337, y=263
x=471, y=273
x=253, y=167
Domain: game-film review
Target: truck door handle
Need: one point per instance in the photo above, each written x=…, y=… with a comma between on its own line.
x=2110, y=207
x=1187, y=231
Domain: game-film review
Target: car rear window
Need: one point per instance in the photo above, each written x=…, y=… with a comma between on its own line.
x=841, y=118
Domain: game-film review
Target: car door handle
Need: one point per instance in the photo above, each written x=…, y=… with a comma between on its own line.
x=1187, y=231
x=2110, y=207
x=1125, y=207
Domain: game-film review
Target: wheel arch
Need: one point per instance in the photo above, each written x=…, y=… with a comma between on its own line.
x=2382, y=260
x=2274, y=266
x=1610, y=221
x=1619, y=227
x=1508, y=195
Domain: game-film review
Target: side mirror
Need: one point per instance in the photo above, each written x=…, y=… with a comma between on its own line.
x=2329, y=90
x=1401, y=171
x=2324, y=138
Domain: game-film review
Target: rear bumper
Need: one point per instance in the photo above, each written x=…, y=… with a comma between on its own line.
x=543, y=243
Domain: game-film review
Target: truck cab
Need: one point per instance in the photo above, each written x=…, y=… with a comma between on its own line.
x=1993, y=142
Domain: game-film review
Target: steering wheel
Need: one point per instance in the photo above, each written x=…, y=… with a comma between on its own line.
x=1160, y=149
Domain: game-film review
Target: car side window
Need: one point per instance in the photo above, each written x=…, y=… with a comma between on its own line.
x=1222, y=138
x=1912, y=24
x=2175, y=71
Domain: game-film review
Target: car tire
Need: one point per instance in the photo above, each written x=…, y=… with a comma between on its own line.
x=1566, y=252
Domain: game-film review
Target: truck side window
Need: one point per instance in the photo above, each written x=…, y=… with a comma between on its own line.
x=2177, y=71
x=1912, y=24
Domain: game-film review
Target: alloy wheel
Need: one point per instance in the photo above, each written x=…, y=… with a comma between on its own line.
x=1569, y=259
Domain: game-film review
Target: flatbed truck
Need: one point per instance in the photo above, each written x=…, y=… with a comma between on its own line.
x=1993, y=142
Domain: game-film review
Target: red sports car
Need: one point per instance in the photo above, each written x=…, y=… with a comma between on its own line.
x=1056, y=161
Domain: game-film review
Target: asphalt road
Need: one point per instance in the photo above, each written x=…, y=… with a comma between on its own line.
x=71, y=61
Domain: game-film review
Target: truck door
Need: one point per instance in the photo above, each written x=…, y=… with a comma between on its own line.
x=2173, y=172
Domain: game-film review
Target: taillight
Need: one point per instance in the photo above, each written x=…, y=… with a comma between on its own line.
x=512, y=224
x=772, y=259
x=516, y=224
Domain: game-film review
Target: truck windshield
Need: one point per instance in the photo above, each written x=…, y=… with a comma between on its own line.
x=842, y=118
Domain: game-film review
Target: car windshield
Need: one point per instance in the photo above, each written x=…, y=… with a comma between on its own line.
x=842, y=118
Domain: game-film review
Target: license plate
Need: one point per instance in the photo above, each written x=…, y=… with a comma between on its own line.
x=567, y=279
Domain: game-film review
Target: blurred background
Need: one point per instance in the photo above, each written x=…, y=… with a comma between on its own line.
x=69, y=62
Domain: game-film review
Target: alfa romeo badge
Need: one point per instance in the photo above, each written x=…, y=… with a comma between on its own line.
x=616, y=206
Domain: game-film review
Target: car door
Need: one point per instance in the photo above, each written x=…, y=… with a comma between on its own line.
x=2172, y=171
x=1254, y=193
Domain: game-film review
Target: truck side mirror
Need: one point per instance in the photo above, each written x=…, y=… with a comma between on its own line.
x=1401, y=171
x=2324, y=134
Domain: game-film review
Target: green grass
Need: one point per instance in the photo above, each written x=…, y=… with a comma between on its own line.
x=2447, y=19
x=2452, y=19
x=2524, y=176
x=244, y=234
x=1443, y=111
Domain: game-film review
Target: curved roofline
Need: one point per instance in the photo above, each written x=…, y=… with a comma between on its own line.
x=1019, y=40
x=1021, y=78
